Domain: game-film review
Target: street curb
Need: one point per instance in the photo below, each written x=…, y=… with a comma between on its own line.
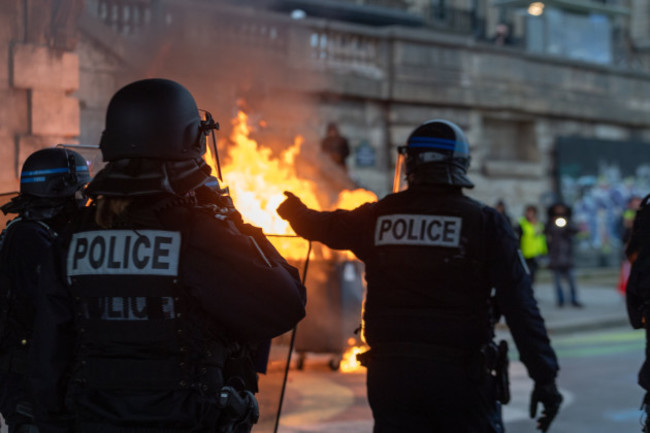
x=604, y=323
x=569, y=328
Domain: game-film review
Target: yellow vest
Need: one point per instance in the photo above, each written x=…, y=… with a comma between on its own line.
x=533, y=241
x=629, y=214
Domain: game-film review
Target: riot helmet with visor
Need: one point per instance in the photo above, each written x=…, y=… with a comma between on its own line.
x=435, y=153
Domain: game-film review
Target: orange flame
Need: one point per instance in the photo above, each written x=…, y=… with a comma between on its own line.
x=349, y=363
x=350, y=199
x=257, y=180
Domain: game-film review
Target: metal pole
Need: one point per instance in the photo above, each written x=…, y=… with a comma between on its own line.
x=293, y=339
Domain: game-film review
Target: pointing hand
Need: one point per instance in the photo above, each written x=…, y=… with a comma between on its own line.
x=289, y=206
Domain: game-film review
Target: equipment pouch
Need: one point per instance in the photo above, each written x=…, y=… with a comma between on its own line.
x=502, y=377
x=240, y=373
x=239, y=411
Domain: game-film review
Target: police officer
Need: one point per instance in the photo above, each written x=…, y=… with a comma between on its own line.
x=172, y=295
x=638, y=292
x=432, y=257
x=532, y=239
x=49, y=180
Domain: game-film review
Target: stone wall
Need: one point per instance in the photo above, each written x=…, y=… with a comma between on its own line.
x=37, y=83
x=377, y=84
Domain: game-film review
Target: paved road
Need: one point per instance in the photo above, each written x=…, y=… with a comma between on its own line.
x=598, y=381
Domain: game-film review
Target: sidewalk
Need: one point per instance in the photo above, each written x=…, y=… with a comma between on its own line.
x=603, y=307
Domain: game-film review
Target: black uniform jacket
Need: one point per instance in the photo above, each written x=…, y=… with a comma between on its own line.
x=24, y=244
x=432, y=258
x=250, y=297
x=637, y=295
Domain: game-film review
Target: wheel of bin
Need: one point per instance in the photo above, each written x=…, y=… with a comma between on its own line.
x=300, y=362
x=335, y=363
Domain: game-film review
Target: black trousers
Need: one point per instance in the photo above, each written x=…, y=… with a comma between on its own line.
x=426, y=396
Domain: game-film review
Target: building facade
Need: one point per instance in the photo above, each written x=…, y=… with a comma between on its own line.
x=527, y=90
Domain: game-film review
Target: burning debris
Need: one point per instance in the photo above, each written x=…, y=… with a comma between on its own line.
x=257, y=178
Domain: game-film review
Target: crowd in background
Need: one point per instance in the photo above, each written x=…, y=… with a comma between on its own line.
x=550, y=243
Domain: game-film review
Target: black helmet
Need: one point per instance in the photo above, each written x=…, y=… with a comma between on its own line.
x=53, y=173
x=153, y=118
x=435, y=153
x=153, y=142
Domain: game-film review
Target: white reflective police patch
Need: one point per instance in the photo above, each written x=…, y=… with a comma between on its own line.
x=128, y=308
x=124, y=252
x=425, y=230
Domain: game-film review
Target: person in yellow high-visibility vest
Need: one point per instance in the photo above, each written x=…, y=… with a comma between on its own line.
x=532, y=239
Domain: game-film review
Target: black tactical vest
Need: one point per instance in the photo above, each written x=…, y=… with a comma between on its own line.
x=137, y=327
x=427, y=281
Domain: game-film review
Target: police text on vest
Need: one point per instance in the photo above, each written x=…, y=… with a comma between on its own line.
x=124, y=252
x=424, y=230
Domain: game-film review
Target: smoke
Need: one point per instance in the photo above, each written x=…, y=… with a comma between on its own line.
x=230, y=59
x=234, y=58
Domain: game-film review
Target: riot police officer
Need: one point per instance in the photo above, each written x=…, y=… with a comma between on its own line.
x=637, y=293
x=432, y=257
x=49, y=180
x=172, y=295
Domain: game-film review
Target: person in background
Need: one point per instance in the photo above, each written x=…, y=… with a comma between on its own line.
x=335, y=145
x=637, y=294
x=500, y=206
x=158, y=299
x=50, y=181
x=627, y=222
x=532, y=239
x=433, y=257
x=627, y=219
x=560, y=231
x=502, y=35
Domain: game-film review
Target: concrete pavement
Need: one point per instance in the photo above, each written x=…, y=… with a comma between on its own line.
x=604, y=307
x=321, y=401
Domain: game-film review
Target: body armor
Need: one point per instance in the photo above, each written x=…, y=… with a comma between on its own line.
x=139, y=331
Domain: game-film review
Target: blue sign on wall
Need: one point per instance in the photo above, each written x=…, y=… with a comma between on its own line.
x=365, y=155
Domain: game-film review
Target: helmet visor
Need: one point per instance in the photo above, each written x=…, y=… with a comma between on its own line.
x=399, y=182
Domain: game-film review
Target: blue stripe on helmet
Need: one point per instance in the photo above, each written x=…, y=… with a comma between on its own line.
x=33, y=179
x=48, y=171
x=53, y=171
x=438, y=143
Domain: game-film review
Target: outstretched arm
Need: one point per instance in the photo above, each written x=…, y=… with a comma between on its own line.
x=339, y=229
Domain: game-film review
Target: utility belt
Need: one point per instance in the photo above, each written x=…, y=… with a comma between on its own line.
x=493, y=359
x=239, y=411
x=496, y=364
x=228, y=411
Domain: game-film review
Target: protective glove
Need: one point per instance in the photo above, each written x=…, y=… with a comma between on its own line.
x=288, y=207
x=550, y=398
